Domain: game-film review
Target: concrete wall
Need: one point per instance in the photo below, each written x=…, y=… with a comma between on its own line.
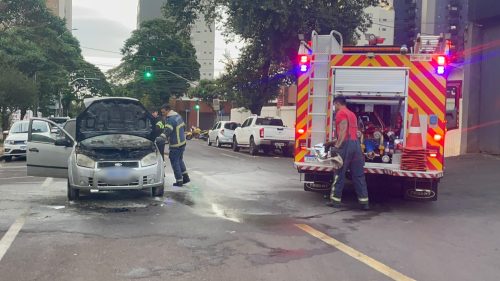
x=481, y=98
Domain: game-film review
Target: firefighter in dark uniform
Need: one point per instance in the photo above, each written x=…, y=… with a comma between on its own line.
x=174, y=132
x=348, y=147
x=159, y=127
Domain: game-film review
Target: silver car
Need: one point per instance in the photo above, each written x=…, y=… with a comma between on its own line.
x=110, y=146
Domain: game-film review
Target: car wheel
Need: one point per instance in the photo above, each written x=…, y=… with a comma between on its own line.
x=157, y=191
x=208, y=142
x=253, y=149
x=73, y=193
x=235, y=145
x=217, y=143
x=8, y=158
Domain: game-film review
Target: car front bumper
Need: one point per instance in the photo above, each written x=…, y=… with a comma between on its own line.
x=132, y=179
x=14, y=150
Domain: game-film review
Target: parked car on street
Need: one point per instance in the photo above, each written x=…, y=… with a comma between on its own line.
x=113, y=148
x=266, y=133
x=222, y=133
x=17, y=137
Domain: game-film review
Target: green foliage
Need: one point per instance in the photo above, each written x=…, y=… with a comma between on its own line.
x=38, y=44
x=174, y=53
x=270, y=29
x=207, y=91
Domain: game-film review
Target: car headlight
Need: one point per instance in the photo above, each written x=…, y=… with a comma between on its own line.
x=84, y=161
x=149, y=160
x=9, y=142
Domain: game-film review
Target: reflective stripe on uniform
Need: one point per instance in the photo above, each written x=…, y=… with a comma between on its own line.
x=178, y=129
x=363, y=199
x=178, y=144
x=335, y=198
x=160, y=125
x=169, y=126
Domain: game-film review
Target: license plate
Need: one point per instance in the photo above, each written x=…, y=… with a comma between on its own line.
x=23, y=147
x=279, y=144
x=117, y=173
x=309, y=158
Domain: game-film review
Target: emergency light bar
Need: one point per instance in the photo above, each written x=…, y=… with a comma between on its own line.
x=441, y=61
x=303, y=63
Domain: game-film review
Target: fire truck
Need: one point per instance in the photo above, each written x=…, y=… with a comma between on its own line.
x=386, y=87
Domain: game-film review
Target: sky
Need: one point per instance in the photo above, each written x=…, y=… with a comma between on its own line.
x=104, y=25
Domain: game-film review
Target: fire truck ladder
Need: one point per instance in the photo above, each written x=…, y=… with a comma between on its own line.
x=323, y=47
x=429, y=44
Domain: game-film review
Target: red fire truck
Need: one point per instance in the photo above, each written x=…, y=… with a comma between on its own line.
x=384, y=86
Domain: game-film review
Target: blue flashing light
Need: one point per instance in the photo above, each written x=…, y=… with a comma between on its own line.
x=303, y=68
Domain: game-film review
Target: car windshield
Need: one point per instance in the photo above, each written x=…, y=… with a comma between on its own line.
x=116, y=141
x=231, y=126
x=19, y=127
x=269, y=122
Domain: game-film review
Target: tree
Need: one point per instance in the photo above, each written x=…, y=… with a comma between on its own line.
x=270, y=28
x=207, y=91
x=38, y=43
x=157, y=47
x=17, y=91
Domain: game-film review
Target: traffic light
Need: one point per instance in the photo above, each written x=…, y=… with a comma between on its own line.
x=148, y=73
x=196, y=107
x=454, y=10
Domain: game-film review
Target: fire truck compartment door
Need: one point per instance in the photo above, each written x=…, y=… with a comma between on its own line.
x=370, y=81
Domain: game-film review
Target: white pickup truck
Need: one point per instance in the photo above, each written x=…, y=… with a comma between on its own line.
x=266, y=133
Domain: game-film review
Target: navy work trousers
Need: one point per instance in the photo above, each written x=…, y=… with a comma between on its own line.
x=176, y=157
x=354, y=160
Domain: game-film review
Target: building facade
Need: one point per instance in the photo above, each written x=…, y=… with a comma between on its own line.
x=383, y=18
x=480, y=91
x=202, y=35
x=62, y=9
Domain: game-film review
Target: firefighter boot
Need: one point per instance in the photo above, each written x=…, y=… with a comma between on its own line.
x=185, y=178
x=365, y=206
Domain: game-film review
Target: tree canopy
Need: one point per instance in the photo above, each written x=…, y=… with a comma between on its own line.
x=167, y=54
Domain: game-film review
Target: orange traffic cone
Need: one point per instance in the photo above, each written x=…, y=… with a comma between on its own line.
x=414, y=138
x=414, y=154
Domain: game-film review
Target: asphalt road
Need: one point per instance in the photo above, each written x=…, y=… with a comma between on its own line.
x=248, y=218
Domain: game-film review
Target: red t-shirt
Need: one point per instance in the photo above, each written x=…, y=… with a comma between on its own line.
x=346, y=114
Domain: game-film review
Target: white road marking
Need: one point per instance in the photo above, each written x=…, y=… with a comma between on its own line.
x=230, y=156
x=11, y=178
x=11, y=234
x=221, y=214
x=47, y=182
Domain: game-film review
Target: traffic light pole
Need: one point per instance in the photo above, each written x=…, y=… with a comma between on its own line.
x=197, y=118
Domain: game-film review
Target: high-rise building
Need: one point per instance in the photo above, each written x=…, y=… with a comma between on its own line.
x=382, y=17
x=202, y=35
x=62, y=9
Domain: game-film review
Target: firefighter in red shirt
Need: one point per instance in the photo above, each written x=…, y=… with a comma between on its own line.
x=349, y=148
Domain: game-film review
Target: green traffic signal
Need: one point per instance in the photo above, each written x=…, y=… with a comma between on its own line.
x=148, y=74
x=197, y=107
x=153, y=59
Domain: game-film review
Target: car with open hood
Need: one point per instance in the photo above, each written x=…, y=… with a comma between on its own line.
x=110, y=146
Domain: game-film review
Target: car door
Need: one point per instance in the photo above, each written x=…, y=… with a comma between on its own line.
x=212, y=134
x=244, y=136
x=47, y=153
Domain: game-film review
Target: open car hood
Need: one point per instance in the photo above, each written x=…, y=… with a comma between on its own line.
x=103, y=116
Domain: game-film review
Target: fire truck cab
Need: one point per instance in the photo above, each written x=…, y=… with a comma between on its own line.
x=384, y=86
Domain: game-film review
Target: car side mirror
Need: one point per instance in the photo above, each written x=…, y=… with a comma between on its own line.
x=5, y=132
x=63, y=142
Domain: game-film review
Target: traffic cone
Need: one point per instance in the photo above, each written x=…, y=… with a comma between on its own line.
x=414, y=155
x=414, y=138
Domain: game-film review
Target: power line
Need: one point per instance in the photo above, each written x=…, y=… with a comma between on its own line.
x=114, y=52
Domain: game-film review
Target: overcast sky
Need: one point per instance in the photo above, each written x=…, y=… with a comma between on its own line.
x=104, y=25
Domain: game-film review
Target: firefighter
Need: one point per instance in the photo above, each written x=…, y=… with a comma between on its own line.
x=159, y=127
x=348, y=147
x=174, y=132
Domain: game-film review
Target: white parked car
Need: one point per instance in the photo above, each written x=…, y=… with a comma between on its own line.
x=266, y=133
x=222, y=133
x=17, y=137
x=113, y=148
